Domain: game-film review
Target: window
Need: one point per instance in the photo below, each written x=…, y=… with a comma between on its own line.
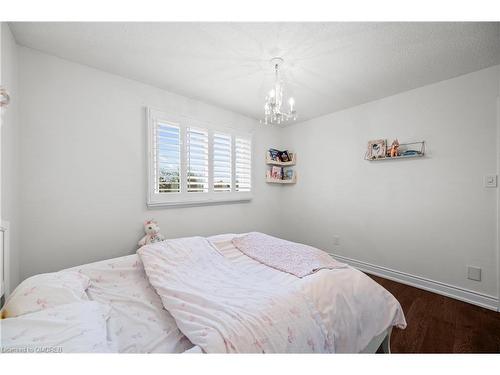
x=222, y=162
x=243, y=161
x=168, y=157
x=197, y=161
x=193, y=163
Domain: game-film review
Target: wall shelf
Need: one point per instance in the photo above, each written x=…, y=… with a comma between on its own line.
x=417, y=149
x=281, y=172
x=271, y=180
x=397, y=157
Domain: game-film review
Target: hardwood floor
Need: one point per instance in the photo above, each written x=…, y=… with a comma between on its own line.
x=438, y=324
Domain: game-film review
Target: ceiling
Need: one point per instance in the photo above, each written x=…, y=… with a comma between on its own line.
x=328, y=66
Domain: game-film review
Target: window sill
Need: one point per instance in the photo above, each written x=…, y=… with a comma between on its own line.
x=201, y=202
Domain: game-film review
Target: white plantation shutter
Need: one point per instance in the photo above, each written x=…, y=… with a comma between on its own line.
x=167, y=157
x=193, y=163
x=222, y=168
x=197, y=160
x=243, y=161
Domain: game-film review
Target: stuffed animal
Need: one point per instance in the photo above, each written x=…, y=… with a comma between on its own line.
x=152, y=233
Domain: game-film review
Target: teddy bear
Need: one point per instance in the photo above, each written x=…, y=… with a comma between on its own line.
x=152, y=233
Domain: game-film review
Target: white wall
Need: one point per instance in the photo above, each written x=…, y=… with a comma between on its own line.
x=427, y=217
x=10, y=149
x=83, y=176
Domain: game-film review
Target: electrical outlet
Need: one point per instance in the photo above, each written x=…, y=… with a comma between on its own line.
x=336, y=240
x=474, y=273
x=490, y=181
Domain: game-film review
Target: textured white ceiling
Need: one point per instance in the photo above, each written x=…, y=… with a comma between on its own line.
x=328, y=66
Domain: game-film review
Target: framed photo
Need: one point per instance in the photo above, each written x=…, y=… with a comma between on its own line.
x=376, y=149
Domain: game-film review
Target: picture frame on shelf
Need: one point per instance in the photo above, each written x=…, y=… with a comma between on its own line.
x=377, y=149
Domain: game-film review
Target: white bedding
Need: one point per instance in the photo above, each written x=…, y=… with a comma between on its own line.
x=46, y=290
x=223, y=309
x=78, y=327
x=356, y=307
x=348, y=306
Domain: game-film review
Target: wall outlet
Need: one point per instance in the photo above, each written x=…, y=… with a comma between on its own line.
x=490, y=181
x=474, y=273
x=336, y=240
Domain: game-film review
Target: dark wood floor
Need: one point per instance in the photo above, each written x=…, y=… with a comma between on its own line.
x=438, y=324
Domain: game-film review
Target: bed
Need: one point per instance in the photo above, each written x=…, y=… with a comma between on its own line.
x=139, y=319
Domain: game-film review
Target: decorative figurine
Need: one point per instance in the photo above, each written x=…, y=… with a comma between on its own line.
x=394, y=150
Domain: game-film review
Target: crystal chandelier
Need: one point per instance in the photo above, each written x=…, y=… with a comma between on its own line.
x=273, y=113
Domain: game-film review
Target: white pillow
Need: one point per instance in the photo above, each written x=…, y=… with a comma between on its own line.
x=71, y=328
x=46, y=290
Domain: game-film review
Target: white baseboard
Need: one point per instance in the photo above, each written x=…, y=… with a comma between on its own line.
x=438, y=287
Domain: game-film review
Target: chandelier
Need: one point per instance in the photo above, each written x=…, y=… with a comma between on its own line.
x=273, y=111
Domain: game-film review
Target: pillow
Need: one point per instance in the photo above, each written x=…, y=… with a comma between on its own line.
x=71, y=328
x=46, y=290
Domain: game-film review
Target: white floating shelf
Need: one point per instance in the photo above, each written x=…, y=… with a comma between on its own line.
x=397, y=157
x=281, y=166
x=277, y=181
x=272, y=180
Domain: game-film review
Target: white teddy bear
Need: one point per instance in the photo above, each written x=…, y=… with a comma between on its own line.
x=152, y=233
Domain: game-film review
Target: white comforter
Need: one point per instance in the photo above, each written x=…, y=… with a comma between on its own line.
x=239, y=305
